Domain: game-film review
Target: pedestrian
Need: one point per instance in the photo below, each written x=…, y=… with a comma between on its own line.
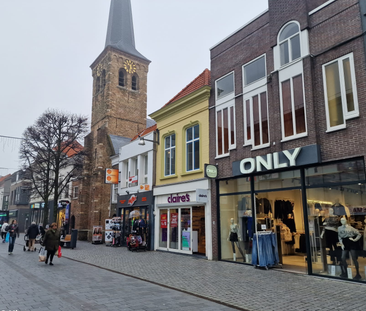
x=13, y=233
x=32, y=233
x=4, y=230
x=51, y=242
x=41, y=230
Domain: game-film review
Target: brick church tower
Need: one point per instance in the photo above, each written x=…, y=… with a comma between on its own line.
x=118, y=113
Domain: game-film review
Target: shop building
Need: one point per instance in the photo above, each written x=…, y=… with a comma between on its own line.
x=289, y=125
x=182, y=193
x=134, y=190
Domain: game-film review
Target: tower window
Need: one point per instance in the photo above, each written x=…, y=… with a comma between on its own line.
x=122, y=77
x=97, y=86
x=135, y=80
x=103, y=80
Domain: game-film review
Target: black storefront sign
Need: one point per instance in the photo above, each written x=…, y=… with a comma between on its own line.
x=278, y=160
x=137, y=199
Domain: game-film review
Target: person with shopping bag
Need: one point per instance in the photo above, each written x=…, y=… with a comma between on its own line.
x=13, y=231
x=51, y=242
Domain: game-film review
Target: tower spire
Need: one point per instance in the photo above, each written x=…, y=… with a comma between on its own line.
x=120, y=34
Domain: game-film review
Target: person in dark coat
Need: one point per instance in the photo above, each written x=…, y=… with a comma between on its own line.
x=51, y=242
x=32, y=233
x=13, y=233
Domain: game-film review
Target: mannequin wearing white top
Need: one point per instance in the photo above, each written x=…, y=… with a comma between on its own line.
x=234, y=237
x=348, y=236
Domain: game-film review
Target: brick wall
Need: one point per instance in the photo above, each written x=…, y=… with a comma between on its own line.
x=334, y=31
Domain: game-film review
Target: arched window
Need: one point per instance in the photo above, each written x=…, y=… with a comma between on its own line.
x=289, y=42
x=97, y=85
x=135, y=82
x=122, y=77
x=103, y=79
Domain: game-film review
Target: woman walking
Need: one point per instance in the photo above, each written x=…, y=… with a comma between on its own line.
x=51, y=242
x=13, y=233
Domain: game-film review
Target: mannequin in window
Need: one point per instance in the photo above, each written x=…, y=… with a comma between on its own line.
x=330, y=232
x=234, y=237
x=348, y=237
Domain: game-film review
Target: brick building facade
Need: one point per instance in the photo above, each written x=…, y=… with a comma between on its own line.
x=118, y=108
x=293, y=78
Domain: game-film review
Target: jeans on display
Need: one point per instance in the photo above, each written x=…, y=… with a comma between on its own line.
x=11, y=244
x=265, y=253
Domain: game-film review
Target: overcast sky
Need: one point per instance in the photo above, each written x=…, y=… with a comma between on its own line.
x=47, y=47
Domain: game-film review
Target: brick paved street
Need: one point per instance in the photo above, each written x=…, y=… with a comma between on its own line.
x=69, y=285
x=232, y=284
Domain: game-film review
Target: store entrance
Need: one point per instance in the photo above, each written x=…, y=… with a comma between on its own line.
x=282, y=213
x=129, y=217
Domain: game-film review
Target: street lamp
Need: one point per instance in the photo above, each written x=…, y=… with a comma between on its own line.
x=143, y=139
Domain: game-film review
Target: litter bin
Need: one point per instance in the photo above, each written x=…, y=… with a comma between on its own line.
x=74, y=238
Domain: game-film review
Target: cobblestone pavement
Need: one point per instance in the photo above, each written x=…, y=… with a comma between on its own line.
x=236, y=285
x=30, y=285
x=240, y=286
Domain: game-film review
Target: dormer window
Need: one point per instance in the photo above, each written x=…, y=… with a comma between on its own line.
x=289, y=42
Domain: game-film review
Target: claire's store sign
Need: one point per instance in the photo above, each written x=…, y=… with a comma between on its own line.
x=201, y=196
x=272, y=161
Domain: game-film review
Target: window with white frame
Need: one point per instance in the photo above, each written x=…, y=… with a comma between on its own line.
x=289, y=42
x=133, y=179
x=293, y=107
x=193, y=148
x=114, y=192
x=340, y=92
x=225, y=115
x=169, y=155
x=256, y=127
x=125, y=168
x=146, y=169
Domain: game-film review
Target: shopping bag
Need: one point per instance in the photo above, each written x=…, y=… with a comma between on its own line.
x=42, y=254
x=59, y=253
x=7, y=237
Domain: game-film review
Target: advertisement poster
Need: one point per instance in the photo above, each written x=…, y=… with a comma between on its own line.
x=163, y=221
x=186, y=240
x=173, y=220
x=97, y=234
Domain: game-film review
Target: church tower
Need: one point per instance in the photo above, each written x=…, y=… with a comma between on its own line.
x=118, y=112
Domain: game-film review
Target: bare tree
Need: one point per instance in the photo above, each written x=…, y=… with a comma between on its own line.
x=52, y=155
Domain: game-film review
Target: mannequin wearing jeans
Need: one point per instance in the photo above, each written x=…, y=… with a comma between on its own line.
x=348, y=236
x=234, y=237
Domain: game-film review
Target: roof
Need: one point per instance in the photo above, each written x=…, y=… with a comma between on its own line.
x=150, y=122
x=145, y=132
x=120, y=33
x=4, y=177
x=202, y=80
x=73, y=149
x=118, y=142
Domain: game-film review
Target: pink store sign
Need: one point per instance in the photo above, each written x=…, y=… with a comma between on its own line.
x=178, y=198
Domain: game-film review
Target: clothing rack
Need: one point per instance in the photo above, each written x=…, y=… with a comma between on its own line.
x=273, y=261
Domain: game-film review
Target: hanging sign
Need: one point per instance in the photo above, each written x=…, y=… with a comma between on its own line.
x=163, y=221
x=111, y=176
x=173, y=220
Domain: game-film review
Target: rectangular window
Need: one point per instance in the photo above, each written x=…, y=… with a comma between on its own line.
x=127, y=173
x=255, y=70
x=340, y=92
x=169, y=155
x=225, y=120
x=293, y=107
x=256, y=118
x=133, y=179
x=193, y=148
x=146, y=169
x=225, y=86
x=76, y=192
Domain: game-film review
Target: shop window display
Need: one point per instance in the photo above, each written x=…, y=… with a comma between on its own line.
x=236, y=228
x=337, y=219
